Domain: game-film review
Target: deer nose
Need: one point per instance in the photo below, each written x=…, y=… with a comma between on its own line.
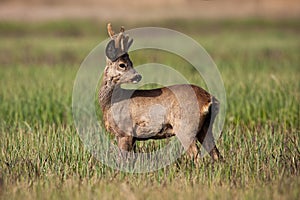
x=137, y=78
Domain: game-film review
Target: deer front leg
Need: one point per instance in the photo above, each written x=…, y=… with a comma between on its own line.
x=125, y=143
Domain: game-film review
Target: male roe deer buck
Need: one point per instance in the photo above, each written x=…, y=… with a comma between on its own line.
x=134, y=115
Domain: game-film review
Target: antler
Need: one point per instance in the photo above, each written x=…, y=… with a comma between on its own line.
x=111, y=33
x=119, y=41
x=119, y=44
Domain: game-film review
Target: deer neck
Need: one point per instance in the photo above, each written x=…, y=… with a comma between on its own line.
x=108, y=87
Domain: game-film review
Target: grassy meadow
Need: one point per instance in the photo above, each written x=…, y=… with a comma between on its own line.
x=42, y=156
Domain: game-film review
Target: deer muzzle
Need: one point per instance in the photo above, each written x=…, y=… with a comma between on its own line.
x=137, y=78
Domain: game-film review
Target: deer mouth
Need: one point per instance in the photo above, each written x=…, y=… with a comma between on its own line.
x=136, y=79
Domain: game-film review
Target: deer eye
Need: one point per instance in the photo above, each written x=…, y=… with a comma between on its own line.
x=122, y=65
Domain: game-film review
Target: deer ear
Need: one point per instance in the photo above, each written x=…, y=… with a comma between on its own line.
x=128, y=44
x=125, y=42
x=110, y=51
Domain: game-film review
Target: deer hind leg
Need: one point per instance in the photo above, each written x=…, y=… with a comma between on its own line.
x=193, y=151
x=205, y=136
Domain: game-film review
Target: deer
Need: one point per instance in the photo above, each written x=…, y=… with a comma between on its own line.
x=139, y=115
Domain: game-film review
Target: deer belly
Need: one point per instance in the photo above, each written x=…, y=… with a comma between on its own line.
x=145, y=131
x=150, y=123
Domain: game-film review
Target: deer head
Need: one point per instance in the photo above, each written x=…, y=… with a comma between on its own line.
x=119, y=68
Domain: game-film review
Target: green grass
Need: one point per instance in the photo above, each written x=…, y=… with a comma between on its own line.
x=41, y=155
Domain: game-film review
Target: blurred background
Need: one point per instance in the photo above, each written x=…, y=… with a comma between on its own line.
x=147, y=10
